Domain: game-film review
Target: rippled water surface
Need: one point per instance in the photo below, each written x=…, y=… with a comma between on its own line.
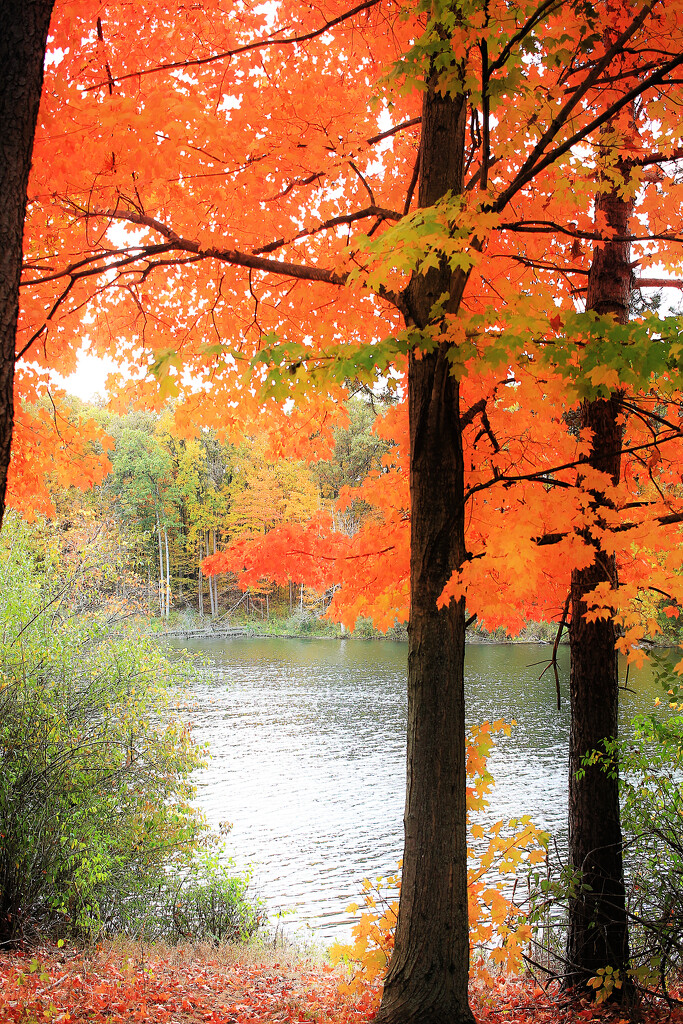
x=308, y=745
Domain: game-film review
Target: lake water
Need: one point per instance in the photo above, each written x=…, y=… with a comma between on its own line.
x=308, y=758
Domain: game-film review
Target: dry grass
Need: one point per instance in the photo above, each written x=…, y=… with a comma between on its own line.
x=263, y=952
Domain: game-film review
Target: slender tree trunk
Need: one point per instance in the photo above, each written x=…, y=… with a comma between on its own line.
x=210, y=579
x=215, y=579
x=24, y=26
x=200, y=596
x=598, y=929
x=429, y=971
x=161, y=569
x=168, y=575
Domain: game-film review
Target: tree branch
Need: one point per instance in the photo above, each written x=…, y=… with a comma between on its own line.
x=393, y=131
x=552, y=227
x=553, y=660
x=413, y=184
x=227, y=54
x=536, y=162
x=545, y=476
x=528, y=26
x=658, y=282
x=479, y=408
x=107, y=260
x=348, y=218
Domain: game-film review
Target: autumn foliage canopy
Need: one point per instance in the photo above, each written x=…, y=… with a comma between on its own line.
x=224, y=195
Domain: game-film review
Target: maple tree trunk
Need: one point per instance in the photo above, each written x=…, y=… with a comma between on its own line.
x=597, y=928
x=23, y=34
x=429, y=971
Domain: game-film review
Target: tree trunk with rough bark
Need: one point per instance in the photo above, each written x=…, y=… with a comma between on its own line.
x=598, y=929
x=429, y=971
x=24, y=26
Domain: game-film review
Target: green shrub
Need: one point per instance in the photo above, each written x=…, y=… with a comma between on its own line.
x=212, y=902
x=364, y=629
x=96, y=819
x=652, y=810
x=300, y=623
x=399, y=631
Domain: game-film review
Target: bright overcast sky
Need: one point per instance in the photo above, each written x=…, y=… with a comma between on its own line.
x=88, y=382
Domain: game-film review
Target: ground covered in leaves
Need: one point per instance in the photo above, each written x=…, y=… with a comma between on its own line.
x=114, y=984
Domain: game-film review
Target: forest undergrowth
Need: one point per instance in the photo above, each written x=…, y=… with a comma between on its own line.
x=120, y=982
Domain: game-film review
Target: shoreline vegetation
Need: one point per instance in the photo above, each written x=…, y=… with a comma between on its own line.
x=187, y=625
x=99, y=833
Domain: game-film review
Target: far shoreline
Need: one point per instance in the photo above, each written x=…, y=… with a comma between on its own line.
x=312, y=628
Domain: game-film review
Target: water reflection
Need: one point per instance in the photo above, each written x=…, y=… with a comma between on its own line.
x=308, y=745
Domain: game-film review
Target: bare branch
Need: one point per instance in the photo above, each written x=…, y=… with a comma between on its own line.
x=546, y=476
x=233, y=256
x=485, y=116
x=655, y=158
x=363, y=181
x=139, y=260
x=528, y=26
x=541, y=227
x=553, y=660
x=479, y=409
x=658, y=282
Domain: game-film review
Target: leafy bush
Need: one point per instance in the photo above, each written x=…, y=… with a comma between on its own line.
x=399, y=631
x=364, y=629
x=300, y=623
x=652, y=802
x=212, y=902
x=95, y=769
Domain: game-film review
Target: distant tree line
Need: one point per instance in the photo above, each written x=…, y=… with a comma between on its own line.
x=171, y=500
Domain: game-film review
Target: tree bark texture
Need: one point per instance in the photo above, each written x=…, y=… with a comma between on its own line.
x=598, y=929
x=429, y=971
x=24, y=26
